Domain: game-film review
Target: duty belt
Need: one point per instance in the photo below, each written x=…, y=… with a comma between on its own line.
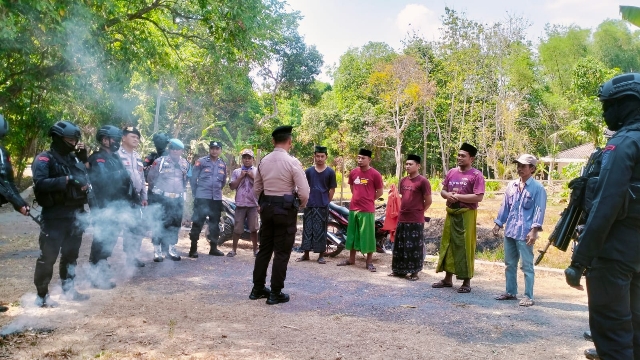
x=273, y=199
x=167, y=194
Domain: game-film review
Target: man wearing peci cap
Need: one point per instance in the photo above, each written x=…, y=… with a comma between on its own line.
x=521, y=214
x=168, y=183
x=463, y=188
x=408, y=248
x=366, y=186
x=208, y=179
x=242, y=180
x=278, y=177
x=322, y=181
x=132, y=237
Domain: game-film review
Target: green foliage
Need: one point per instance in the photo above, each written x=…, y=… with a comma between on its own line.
x=389, y=180
x=436, y=184
x=493, y=185
x=631, y=14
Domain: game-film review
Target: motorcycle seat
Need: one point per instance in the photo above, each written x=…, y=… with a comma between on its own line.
x=343, y=211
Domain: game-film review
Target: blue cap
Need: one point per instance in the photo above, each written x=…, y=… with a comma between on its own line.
x=176, y=144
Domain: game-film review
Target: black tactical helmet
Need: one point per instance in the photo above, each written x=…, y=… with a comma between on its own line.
x=621, y=85
x=65, y=128
x=4, y=126
x=110, y=132
x=160, y=140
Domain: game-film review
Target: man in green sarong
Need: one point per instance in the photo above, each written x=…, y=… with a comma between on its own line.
x=463, y=188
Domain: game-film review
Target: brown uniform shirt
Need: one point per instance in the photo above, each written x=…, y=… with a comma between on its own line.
x=133, y=163
x=279, y=174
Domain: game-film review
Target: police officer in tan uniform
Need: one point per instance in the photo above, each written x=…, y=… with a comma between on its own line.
x=168, y=182
x=132, y=237
x=278, y=179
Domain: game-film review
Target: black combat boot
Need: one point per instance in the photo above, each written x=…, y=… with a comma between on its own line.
x=45, y=301
x=214, y=249
x=172, y=253
x=193, y=250
x=70, y=293
x=259, y=293
x=277, y=298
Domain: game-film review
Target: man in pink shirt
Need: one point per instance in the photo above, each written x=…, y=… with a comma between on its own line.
x=366, y=187
x=463, y=188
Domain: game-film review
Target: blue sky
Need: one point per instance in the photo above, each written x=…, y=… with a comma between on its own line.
x=335, y=25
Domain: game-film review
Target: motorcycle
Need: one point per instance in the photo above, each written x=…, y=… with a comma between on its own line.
x=228, y=222
x=337, y=231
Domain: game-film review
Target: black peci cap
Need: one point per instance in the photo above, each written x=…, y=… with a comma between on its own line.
x=282, y=130
x=215, y=144
x=320, y=149
x=469, y=148
x=365, y=152
x=415, y=158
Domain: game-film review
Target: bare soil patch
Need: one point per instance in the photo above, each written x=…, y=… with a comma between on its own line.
x=199, y=309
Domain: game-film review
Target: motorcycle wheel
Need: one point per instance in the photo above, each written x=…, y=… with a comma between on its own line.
x=333, y=249
x=226, y=230
x=384, y=244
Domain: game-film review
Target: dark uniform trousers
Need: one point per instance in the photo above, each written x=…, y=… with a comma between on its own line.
x=613, y=288
x=172, y=209
x=201, y=209
x=277, y=235
x=58, y=236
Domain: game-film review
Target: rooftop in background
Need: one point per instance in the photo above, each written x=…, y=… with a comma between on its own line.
x=579, y=153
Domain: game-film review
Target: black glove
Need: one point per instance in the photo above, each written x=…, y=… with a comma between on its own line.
x=574, y=273
x=82, y=155
x=77, y=181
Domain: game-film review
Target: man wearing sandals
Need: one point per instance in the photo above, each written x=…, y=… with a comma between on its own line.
x=322, y=181
x=521, y=214
x=246, y=202
x=366, y=186
x=408, y=248
x=463, y=188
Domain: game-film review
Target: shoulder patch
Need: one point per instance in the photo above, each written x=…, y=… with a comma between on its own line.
x=609, y=148
x=100, y=160
x=43, y=158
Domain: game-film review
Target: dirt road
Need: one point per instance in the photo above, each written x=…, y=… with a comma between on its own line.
x=199, y=309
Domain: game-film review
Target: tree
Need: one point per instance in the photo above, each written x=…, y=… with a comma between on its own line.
x=401, y=88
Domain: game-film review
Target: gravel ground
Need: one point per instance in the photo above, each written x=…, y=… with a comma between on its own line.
x=199, y=309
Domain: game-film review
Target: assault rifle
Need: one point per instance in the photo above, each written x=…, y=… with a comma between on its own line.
x=574, y=213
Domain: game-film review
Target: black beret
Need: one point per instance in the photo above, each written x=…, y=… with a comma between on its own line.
x=365, y=152
x=320, y=149
x=415, y=158
x=469, y=148
x=282, y=130
x=215, y=144
x=131, y=130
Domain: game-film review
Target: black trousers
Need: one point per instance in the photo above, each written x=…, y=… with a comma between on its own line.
x=201, y=209
x=277, y=235
x=171, y=221
x=613, y=288
x=57, y=236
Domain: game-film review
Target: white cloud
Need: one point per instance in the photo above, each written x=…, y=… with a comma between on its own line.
x=419, y=19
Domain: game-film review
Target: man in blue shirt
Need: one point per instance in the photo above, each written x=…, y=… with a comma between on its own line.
x=522, y=211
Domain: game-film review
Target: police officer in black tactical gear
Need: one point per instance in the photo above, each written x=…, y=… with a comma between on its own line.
x=114, y=197
x=61, y=187
x=8, y=191
x=608, y=251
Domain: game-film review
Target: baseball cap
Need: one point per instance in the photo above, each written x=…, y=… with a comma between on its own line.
x=246, y=152
x=526, y=159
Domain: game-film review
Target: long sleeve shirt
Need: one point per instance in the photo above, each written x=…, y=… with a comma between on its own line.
x=522, y=210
